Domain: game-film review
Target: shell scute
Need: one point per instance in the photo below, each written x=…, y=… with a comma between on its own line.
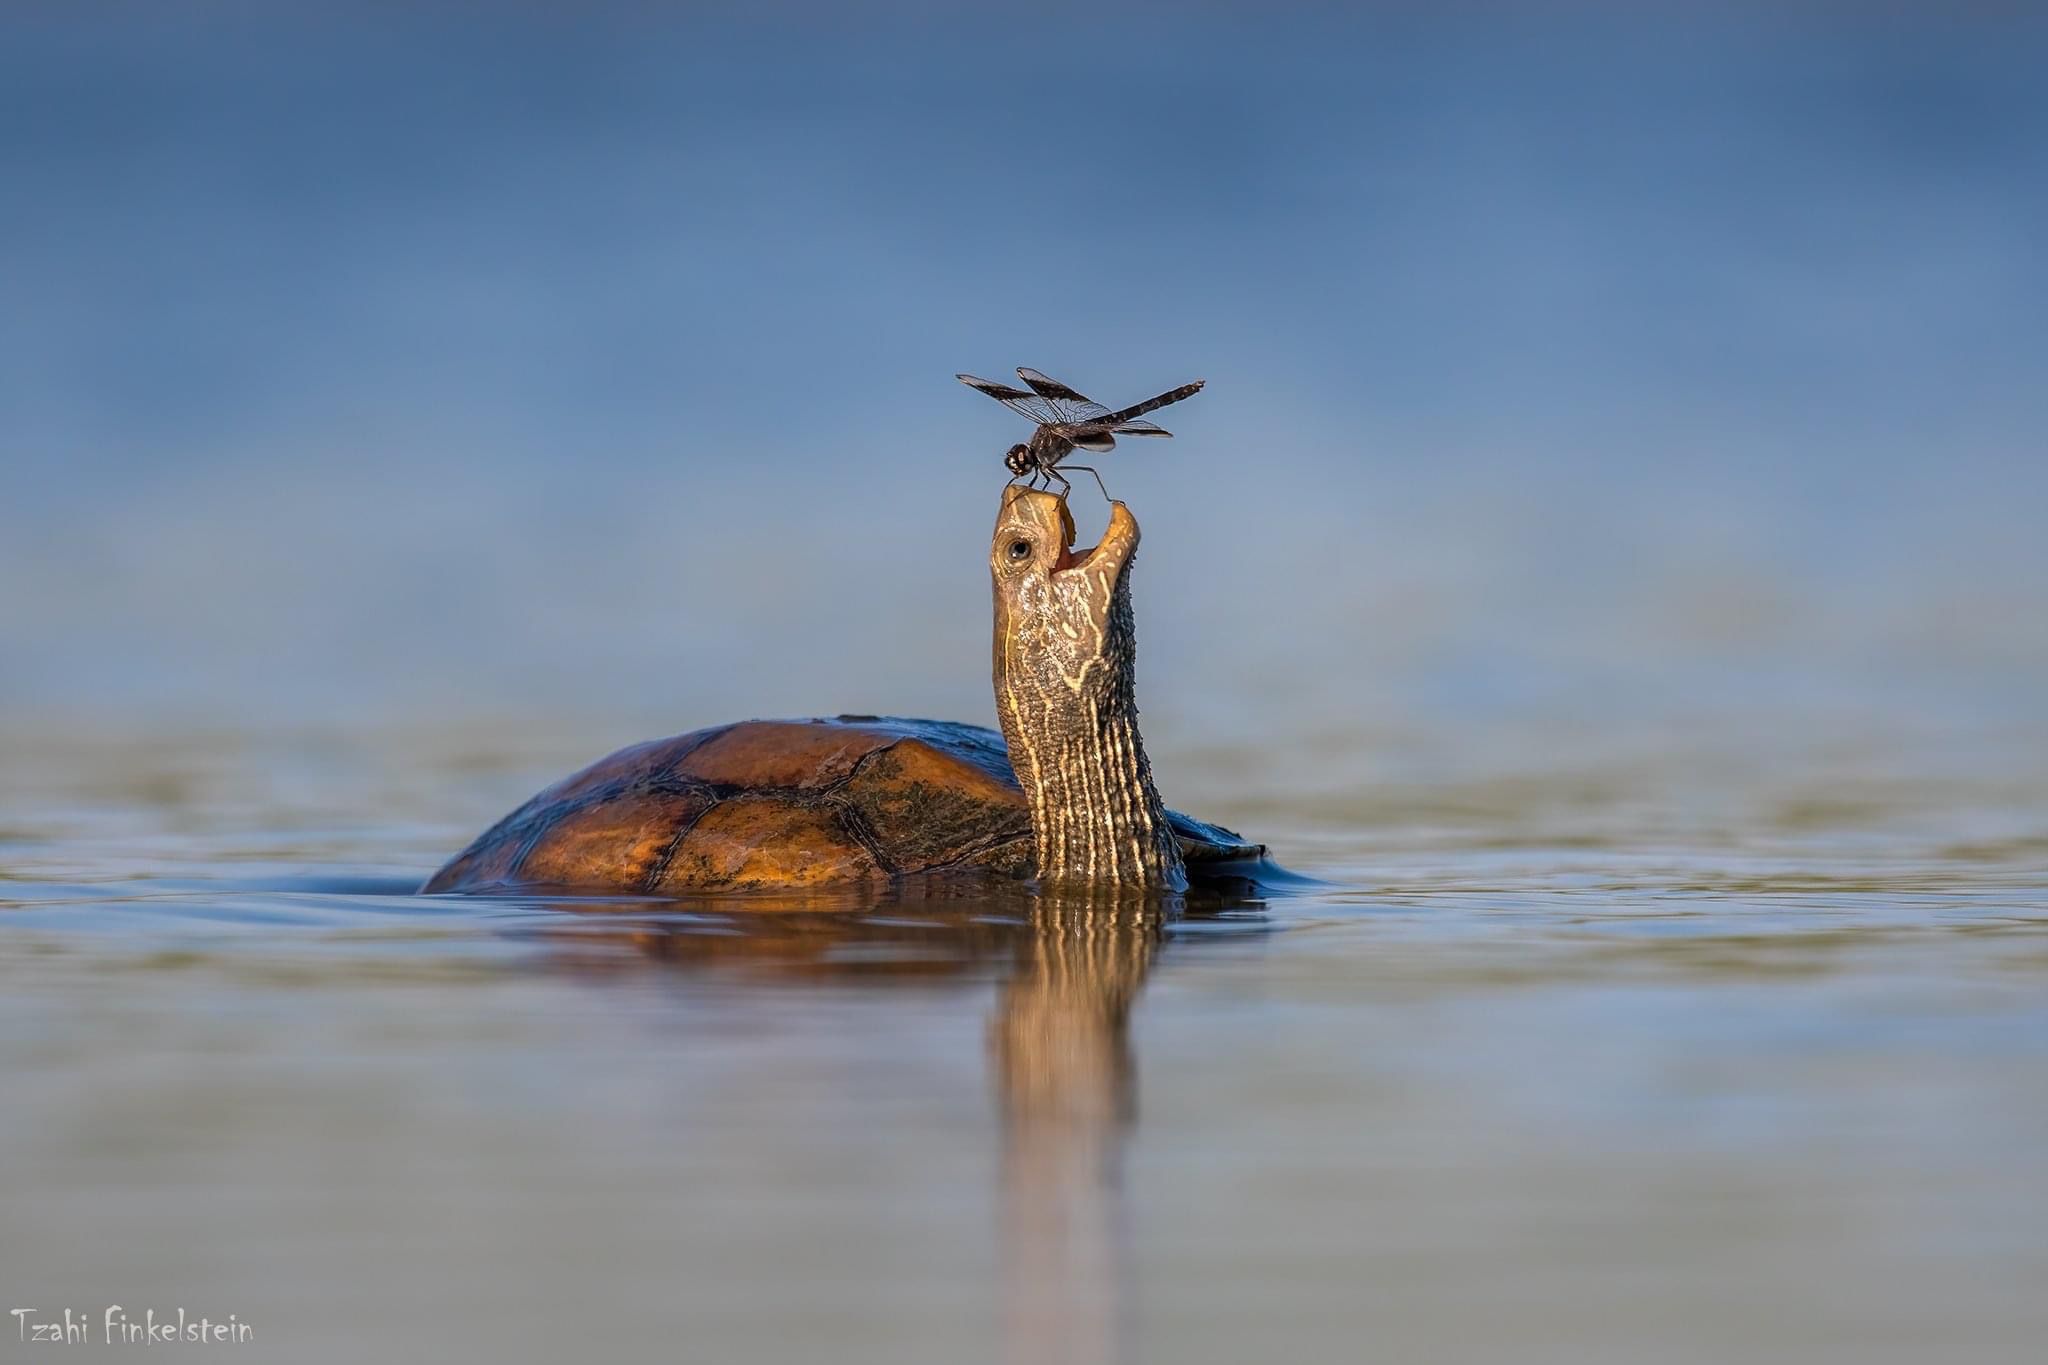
x=613, y=842
x=755, y=842
x=927, y=806
x=631, y=767
x=800, y=755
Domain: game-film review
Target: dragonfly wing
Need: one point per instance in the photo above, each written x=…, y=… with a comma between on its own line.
x=1096, y=440
x=1048, y=386
x=1031, y=405
x=1142, y=429
x=1073, y=405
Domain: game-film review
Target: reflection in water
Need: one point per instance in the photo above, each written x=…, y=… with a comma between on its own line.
x=1060, y=1052
x=1058, y=1048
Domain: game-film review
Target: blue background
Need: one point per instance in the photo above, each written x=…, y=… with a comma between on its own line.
x=1580, y=365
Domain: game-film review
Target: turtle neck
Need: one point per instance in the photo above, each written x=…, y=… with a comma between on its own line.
x=1065, y=688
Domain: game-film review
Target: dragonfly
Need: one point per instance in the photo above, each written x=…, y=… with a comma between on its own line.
x=1068, y=420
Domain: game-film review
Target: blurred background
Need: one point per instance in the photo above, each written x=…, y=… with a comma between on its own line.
x=1569, y=362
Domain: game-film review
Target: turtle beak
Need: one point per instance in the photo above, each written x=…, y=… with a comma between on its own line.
x=1113, y=551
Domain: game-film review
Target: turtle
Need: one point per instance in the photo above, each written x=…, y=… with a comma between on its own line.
x=1063, y=794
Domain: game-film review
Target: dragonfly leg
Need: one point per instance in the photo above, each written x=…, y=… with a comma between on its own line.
x=1098, y=480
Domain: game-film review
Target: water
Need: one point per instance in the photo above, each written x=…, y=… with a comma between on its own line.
x=1573, y=1055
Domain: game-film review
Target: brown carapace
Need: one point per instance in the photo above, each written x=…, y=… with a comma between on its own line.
x=1065, y=793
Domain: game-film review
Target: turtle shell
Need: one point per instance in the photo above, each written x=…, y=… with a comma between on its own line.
x=781, y=804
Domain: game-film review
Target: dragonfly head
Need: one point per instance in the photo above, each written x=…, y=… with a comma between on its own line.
x=1018, y=461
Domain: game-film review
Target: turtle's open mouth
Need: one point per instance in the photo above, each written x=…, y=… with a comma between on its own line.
x=1111, y=552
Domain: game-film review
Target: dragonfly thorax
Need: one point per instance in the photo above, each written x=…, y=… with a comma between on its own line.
x=1049, y=445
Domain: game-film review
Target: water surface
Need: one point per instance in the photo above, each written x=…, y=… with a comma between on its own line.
x=1731, y=1051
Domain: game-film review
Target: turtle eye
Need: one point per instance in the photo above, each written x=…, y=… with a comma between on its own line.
x=1020, y=550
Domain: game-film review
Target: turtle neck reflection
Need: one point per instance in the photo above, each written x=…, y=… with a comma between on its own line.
x=1059, y=1045
x=1059, y=1038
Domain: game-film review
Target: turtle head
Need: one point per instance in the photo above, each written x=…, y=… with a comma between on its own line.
x=1049, y=597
